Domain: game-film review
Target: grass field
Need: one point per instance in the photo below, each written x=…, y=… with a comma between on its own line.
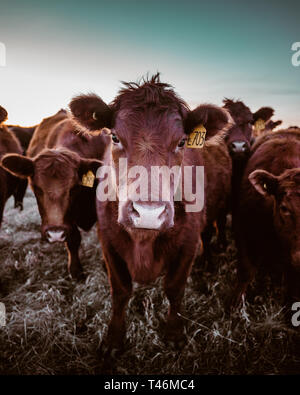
x=55, y=325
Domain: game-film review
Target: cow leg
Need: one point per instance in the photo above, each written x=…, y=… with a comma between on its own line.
x=245, y=274
x=206, y=257
x=121, y=290
x=73, y=244
x=2, y=204
x=221, y=240
x=174, y=286
x=20, y=193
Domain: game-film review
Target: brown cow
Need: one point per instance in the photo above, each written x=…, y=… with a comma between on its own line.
x=268, y=220
x=143, y=239
x=24, y=135
x=239, y=139
x=59, y=158
x=10, y=185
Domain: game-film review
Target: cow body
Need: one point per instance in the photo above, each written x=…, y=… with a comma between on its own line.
x=142, y=240
x=268, y=220
x=10, y=185
x=239, y=139
x=24, y=135
x=58, y=158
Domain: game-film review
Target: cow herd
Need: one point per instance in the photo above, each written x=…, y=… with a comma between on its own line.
x=250, y=171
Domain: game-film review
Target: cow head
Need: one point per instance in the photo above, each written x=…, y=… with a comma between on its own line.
x=285, y=192
x=3, y=115
x=55, y=177
x=240, y=136
x=149, y=125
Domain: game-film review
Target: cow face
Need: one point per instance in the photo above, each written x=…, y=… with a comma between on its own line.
x=285, y=192
x=55, y=177
x=149, y=138
x=149, y=125
x=240, y=137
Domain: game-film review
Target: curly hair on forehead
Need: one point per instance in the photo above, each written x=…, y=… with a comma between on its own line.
x=147, y=92
x=238, y=110
x=57, y=163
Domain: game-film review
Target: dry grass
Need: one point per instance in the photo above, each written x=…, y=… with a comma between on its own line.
x=55, y=325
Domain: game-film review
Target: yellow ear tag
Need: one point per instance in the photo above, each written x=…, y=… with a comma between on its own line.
x=88, y=179
x=196, y=139
x=260, y=125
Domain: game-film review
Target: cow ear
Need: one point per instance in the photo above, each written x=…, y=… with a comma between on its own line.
x=264, y=113
x=91, y=113
x=3, y=115
x=277, y=123
x=18, y=165
x=87, y=165
x=213, y=118
x=264, y=182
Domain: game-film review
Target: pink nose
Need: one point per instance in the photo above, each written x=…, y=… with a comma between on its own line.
x=55, y=235
x=150, y=215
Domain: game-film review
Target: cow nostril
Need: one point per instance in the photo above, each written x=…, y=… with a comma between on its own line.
x=134, y=209
x=244, y=147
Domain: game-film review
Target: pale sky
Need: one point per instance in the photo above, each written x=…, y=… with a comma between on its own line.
x=206, y=50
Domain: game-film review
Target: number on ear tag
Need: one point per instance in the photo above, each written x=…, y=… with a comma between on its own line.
x=88, y=179
x=196, y=139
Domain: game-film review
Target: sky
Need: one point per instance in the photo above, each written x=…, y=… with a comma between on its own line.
x=207, y=50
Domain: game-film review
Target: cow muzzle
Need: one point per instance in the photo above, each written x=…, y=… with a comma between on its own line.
x=238, y=148
x=55, y=234
x=147, y=215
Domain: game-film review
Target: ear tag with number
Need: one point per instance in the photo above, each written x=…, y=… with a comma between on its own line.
x=88, y=179
x=260, y=125
x=196, y=139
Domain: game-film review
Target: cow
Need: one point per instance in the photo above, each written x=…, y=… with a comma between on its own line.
x=10, y=185
x=142, y=239
x=58, y=159
x=24, y=135
x=239, y=139
x=268, y=220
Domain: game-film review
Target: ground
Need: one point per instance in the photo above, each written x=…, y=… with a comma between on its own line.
x=55, y=325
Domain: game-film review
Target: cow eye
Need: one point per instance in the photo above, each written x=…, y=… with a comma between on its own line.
x=181, y=143
x=115, y=138
x=284, y=210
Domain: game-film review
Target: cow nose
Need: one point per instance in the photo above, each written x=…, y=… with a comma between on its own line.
x=56, y=236
x=238, y=147
x=148, y=216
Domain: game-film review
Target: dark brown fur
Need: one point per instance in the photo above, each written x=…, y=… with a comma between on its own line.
x=10, y=185
x=268, y=221
x=23, y=134
x=150, y=120
x=58, y=158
